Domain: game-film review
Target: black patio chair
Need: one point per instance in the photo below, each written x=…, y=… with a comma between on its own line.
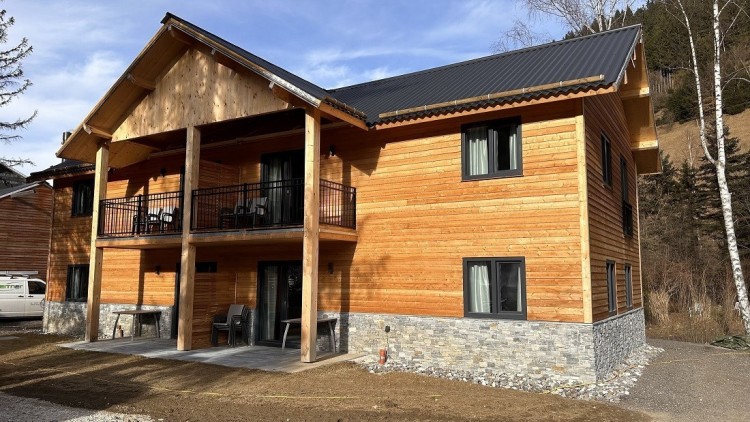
x=228, y=322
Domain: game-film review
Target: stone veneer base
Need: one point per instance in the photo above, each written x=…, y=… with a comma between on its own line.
x=70, y=318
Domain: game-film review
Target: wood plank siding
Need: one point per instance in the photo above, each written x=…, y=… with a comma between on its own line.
x=25, y=223
x=604, y=115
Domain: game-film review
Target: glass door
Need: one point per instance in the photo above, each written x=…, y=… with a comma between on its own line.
x=282, y=176
x=279, y=298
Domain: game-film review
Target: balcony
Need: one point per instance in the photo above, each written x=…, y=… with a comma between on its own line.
x=237, y=210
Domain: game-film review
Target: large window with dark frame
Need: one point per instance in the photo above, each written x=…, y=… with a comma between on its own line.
x=78, y=283
x=491, y=149
x=611, y=288
x=83, y=198
x=627, y=209
x=606, y=160
x=628, y=286
x=495, y=287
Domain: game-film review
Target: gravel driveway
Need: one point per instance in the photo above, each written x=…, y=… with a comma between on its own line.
x=694, y=382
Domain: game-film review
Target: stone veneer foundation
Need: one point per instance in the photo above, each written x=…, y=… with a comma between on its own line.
x=570, y=352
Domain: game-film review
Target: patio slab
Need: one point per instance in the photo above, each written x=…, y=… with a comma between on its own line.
x=251, y=357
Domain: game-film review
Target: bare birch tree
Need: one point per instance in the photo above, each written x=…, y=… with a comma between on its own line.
x=719, y=161
x=12, y=84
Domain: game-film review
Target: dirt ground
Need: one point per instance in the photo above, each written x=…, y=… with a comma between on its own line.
x=32, y=365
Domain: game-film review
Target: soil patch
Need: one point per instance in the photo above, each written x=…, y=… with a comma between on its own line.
x=34, y=366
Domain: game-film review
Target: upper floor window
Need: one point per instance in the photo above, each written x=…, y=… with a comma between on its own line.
x=491, y=149
x=606, y=160
x=83, y=198
x=627, y=209
x=495, y=287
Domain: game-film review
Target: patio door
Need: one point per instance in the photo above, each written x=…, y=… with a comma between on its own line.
x=279, y=298
x=282, y=176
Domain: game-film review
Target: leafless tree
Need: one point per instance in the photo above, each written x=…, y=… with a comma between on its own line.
x=719, y=161
x=12, y=84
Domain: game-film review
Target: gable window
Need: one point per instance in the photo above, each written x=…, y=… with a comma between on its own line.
x=83, y=198
x=491, y=149
x=629, y=286
x=627, y=209
x=611, y=288
x=495, y=287
x=606, y=160
x=78, y=283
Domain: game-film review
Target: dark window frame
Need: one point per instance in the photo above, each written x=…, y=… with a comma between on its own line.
x=627, y=209
x=628, y=269
x=495, y=281
x=611, y=272
x=606, y=150
x=71, y=270
x=492, y=172
x=82, y=207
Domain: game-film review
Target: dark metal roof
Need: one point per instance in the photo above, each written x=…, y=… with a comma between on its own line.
x=605, y=53
x=20, y=188
x=66, y=167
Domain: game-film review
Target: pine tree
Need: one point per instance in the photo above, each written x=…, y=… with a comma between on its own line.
x=12, y=84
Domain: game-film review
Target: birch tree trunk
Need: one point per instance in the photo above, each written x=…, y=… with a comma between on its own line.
x=720, y=160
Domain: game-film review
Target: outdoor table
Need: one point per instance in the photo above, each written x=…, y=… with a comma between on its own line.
x=330, y=321
x=137, y=315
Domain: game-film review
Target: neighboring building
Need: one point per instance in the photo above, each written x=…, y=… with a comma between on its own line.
x=10, y=177
x=485, y=211
x=25, y=223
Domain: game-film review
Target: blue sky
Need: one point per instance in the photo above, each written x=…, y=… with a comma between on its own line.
x=82, y=47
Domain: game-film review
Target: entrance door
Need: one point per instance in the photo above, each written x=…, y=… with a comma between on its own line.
x=282, y=178
x=279, y=298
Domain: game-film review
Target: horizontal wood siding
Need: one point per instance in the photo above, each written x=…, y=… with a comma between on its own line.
x=25, y=225
x=604, y=114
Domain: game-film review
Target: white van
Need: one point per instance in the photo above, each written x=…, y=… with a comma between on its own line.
x=21, y=296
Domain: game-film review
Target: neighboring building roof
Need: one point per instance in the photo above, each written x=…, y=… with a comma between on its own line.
x=21, y=188
x=605, y=53
x=67, y=167
x=9, y=177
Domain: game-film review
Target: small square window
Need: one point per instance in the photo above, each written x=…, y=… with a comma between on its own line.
x=83, y=198
x=491, y=150
x=629, y=286
x=495, y=288
x=611, y=288
x=78, y=283
x=606, y=160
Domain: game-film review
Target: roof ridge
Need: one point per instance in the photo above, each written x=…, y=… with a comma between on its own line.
x=483, y=58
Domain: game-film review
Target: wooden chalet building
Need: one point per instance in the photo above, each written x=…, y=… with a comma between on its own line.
x=25, y=223
x=484, y=211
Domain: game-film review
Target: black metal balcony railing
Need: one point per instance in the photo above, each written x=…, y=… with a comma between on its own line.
x=269, y=205
x=141, y=214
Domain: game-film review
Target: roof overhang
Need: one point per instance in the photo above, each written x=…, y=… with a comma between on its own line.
x=169, y=43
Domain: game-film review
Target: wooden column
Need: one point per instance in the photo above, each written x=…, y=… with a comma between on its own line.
x=96, y=254
x=187, y=260
x=312, y=235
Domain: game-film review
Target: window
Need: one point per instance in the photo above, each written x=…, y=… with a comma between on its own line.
x=629, y=286
x=611, y=288
x=37, y=287
x=83, y=198
x=78, y=283
x=491, y=149
x=627, y=209
x=606, y=160
x=495, y=287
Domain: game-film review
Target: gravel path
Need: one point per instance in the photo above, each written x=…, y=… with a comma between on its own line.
x=694, y=382
x=21, y=409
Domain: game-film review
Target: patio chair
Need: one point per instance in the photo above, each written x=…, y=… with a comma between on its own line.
x=170, y=217
x=228, y=322
x=144, y=223
x=258, y=207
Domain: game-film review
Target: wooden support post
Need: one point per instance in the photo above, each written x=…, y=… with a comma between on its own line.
x=312, y=235
x=187, y=260
x=583, y=210
x=96, y=254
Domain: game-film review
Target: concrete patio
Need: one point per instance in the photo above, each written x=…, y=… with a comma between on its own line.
x=251, y=357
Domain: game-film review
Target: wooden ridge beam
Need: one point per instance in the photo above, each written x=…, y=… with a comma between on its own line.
x=141, y=82
x=97, y=131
